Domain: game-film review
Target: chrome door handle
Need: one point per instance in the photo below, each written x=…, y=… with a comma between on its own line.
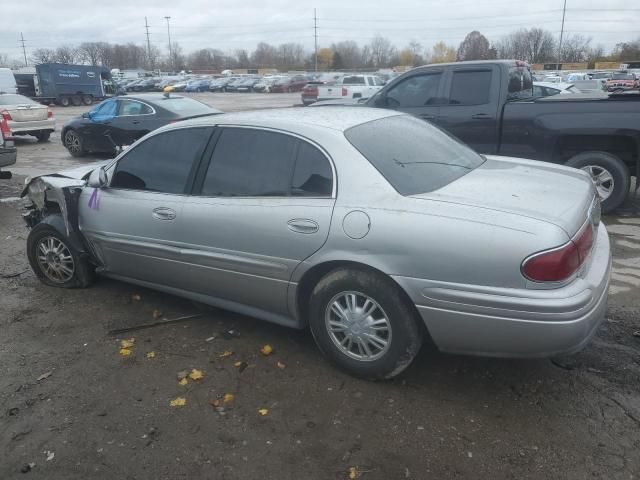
x=163, y=213
x=481, y=116
x=302, y=225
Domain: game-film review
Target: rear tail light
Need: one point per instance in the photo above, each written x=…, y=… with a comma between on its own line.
x=560, y=263
x=49, y=113
x=4, y=127
x=344, y=91
x=6, y=115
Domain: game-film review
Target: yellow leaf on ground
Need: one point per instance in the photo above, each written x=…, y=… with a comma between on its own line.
x=184, y=381
x=125, y=352
x=135, y=297
x=215, y=403
x=178, y=402
x=263, y=411
x=266, y=350
x=281, y=365
x=157, y=313
x=353, y=473
x=196, y=374
x=228, y=398
x=237, y=364
x=127, y=343
x=151, y=354
x=226, y=353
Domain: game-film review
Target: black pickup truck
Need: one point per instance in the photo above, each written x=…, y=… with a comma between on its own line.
x=490, y=106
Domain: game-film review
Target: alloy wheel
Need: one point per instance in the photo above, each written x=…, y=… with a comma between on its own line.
x=55, y=259
x=602, y=179
x=72, y=142
x=358, y=326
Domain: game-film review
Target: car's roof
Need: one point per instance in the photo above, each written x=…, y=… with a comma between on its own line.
x=298, y=119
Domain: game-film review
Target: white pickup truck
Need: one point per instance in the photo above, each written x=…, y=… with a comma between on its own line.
x=351, y=86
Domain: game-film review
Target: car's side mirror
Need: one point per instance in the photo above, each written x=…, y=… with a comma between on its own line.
x=97, y=178
x=86, y=115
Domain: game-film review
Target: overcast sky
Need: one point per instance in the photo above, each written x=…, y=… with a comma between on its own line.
x=232, y=24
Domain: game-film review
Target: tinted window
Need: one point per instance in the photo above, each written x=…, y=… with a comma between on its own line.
x=413, y=156
x=312, y=175
x=354, y=80
x=520, y=83
x=415, y=91
x=470, y=87
x=130, y=107
x=250, y=163
x=163, y=162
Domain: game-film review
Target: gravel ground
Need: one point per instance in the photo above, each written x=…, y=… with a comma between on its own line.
x=71, y=404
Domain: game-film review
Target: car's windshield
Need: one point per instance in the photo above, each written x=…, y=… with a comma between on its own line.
x=11, y=99
x=185, y=106
x=414, y=157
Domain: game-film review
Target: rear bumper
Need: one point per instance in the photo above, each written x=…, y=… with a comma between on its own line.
x=517, y=322
x=32, y=126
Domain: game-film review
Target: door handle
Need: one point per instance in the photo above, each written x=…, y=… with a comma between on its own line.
x=136, y=122
x=302, y=225
x=163, y=213
x=426, y=116
x=481, y=116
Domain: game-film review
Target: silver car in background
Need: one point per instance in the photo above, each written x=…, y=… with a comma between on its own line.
x=26, y=117
x=372, y=228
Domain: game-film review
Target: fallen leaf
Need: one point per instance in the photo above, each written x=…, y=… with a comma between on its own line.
x=266, y=350
x=183, y=374
x=135, y=297
x=226, y=353
x=237, y=364
x=210, y=339
x=196, y=374
x=151, y=354
x=44, y=375
x=281, y=365
x=215, y=403
x=125, y=352
x=263, y=411
x=50, y=455
x=183, y=382
x=228, y=398
x=353, y=473
x=178, y=402
x=157, y=314
x=127, y=343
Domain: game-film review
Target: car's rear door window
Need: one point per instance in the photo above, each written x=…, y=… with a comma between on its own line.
x=412, y=155
x=470, y=87
x=163, y=162
x=312, y=174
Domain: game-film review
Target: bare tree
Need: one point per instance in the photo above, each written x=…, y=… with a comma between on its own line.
x=626, y=51
x=416, y=50
x=92, y=52
x=67, y=54
x=242, y=57
x=264, y=55
x=575, y=48
x=4, y=60
x=475, y=46
x=381, y=51
x=534, y=46
x=43, y=55
x=349, y=53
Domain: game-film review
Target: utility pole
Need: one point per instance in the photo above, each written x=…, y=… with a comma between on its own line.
x=170, y=49
x=146, y=25
x=24, y=50
x=315, y=36
x=564, y=10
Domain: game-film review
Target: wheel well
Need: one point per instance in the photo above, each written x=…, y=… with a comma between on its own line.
x=311, y=278
x=622, y=146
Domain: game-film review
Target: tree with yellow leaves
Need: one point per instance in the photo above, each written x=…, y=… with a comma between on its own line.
x=443, y=53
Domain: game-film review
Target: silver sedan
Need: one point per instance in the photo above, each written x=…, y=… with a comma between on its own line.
x=372, y=228
x=26, y=117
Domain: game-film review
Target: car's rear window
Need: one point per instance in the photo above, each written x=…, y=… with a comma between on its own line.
x=185, y=107
x=11, y=99
x=413, y=156
x=622, y=76
x=354, y=80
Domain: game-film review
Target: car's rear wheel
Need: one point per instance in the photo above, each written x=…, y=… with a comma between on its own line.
x=74, y=143
x=42, y=136
x=54, y=261
x=363, y=323
x=609, y=174
x=87, y=99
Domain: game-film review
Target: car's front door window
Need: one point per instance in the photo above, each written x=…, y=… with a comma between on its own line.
x=415, y=91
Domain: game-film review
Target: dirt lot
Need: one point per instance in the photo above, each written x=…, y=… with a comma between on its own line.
x=71, y=404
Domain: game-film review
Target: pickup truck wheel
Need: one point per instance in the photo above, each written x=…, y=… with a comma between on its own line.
x=610, y=176
x=43, y=136
x=363, y=324
x=87, y=99
x=64, y=101
x=73, y=142
x=54, y=261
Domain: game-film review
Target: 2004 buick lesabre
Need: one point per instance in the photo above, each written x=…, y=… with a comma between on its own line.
x=372, y=228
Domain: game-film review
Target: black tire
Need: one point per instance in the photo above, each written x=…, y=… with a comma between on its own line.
x=43, y=136
x=87, y=99
x=76, y=100
x=617, y=169
x=404, y=337
x=64, y=101
x=83, y=273
x=73, y=142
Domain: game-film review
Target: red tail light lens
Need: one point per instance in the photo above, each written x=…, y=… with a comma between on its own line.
x=344, y=91
x=6, y=115
x=4, y=127
x=49, y=113
x=560, y=263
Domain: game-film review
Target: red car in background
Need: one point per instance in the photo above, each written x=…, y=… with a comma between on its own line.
x=623, y=81
x=294, y=83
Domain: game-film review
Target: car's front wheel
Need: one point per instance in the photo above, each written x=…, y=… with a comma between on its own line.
x=54, y=261
x=74, y=143
x=362, y=322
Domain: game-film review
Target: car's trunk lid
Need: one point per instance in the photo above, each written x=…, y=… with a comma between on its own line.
x=559, y=195
x=27, y=113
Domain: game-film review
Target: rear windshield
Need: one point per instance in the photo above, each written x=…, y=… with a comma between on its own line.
x=520, y=83
x=622, y=76
x=413, y=156
x=11, y=99
x=185, y=107
x=353, y=81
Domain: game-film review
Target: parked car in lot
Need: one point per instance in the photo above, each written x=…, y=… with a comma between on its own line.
x=26, y=117
x=121, y=121
x=199, y=85
x=294, y=83
x=264, y=85
x=351, y=86
x=622, y=81
x=272, y=214
x=247, y=84
x=8, y=151
x=310, y=91
x=547, y=89
x=591, y=86
x=490, y=106
x=220, y=84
